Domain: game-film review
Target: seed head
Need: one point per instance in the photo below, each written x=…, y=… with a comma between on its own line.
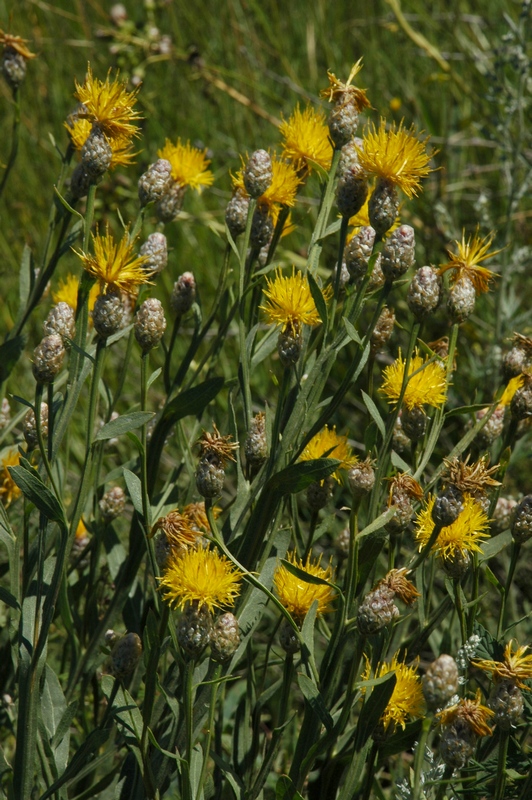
x=361, y=477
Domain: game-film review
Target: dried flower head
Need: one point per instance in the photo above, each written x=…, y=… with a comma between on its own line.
x=189, y=164
x=16, y=43
x=109, y=105
x=290, y=302
x=340, y=91
x=463, y=536
x=306, y=139
x=177, y=528
x=202, y=577
x=399, y=584
x=466, y=263
x=403, y=483
x=515, y=666
x=396, y=156
x=426, y=382
x=296, y=594
x=327, y=444
x=407, y=700
x=472, y=712
x=9, y=490
x=214, y=444
x=114, y=265
x=473, y=478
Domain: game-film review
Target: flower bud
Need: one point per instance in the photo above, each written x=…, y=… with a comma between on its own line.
x=522, y=520
x=183, y=294
x=289, y=346
x=400, y=441
x=108, y=314
x=492, y=429
x=156, y=248
x=461, y=300
x=288, y=638
x=448, y=506
x=225, y=638
x=376, y=610
x=457, y=744
x=112, y=504
x=80, y=182
x=414, y=423
x=440, y=682
x=457, y=564
x=171, y=203
x=261, y=228
x=506, y=701
x=349, y=156
x=150, y=324
x=424, y=293
x=210, y=476
x=236, y=214
x=194, y=630
x=358, y=251
x=126, y=654
x=519, y=358
x=382, y=330
x=30, y=426
x=343, y=121
x=398, y=253
x=96, y=153
x=258, y=174
x=5, y=413
x=361, y=478
x=13, y=67
x=319, y=493
x=342, y=543
x=521, y=403
x=60, y=320
x=48, y=358
x=351, y=191
x=156, y=182
x=256, y=445
x=503, y=514
x=383, y=207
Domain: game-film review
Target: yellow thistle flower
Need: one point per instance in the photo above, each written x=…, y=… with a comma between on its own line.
x=472, y=712
x=290, y=301
x=16, y=43
x=296, y=594
x=464, y=535
x=395, y=155
x=306, y=139
x=121, y=147
x=109, y=105
x=200, y=576
x=114, y=265
x=468, y=259
x=189, y=165
x=327, y=444
x=513, y=385
x=426, y=386
x=515, y=667
x=9, y=490
x=337, y=90
x=407, y=700
x=67, y=292
x=283, y=188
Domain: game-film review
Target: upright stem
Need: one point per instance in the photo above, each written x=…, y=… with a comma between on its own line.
x=14, y=141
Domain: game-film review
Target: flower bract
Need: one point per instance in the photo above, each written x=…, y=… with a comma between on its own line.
x=114, y=264
x=327, y=444
x=283, y=188
x=290, y=302
x=395, y=155
x=426, y=384
x=296, y=594
x=200, y=576
x=109, y=105
x=465, y=535
x=189, y=164
x=467, y=261
x=306, y=139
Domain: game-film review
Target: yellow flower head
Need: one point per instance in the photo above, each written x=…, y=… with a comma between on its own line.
x=296, y=594
x=67, y=292
x=463, y=536
x=337, y=90
x=468, y=260
x=109, y=105
x=395, y=155
x=121, y=148
x=513, y=385
x=426, y=384
x=290, y=302
x=306, y=139
x=17, y=43
x=189, y=164
x=407, y=700
x=283, y=188
x=9, y=490
x=472, y=712
x=515, y=667
x=200, y=576
x=114, y=265
x=327, y=444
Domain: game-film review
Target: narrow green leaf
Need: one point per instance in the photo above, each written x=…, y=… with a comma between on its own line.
x=458, y=412
x=307, y=629
x=373, y=709
x=377, y=523
x=351, y=331
x=9, y=599
x=313, y=697
x=285, y=790
x=153, y=377
x=298, y=476
x=319, y=300
x=303, y=575
x=134, y=488
x=491, y=547
x=374, y=413
x=123, y=424
x=10, y=353
x=36, y=492
x=26, y=280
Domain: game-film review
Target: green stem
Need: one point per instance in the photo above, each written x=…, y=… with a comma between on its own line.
x=419, y=757
x=188, y=703
x=370, y=772
x=460, y=610
x=210, y=730
x=504, y=738
x=321, y=223
x=338, y=275
x=168, y=358
x=426, y=549
x=447, y=775
x=514, y=558
x=14, y=142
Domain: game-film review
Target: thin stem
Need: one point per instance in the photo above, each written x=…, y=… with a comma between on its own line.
x=460, y=610
x=188, y=704
x=338, y=275
x=504, y=738
x=370, y=772
x=514, y=558
x=14, y=141
x=210, y=729
x=321, y=223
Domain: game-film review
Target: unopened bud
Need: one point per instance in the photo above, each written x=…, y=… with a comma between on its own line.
x=171, y=203
x=48, y=358
x=288, y=638
x=30, y=426
x=236, y=214
x=183, y=294
x=112, y=504
x=150, y=324
x=80, y=182
x=96, y=153
x=319, y=493
x=358, y=251
x=376, y=610
x=289, y=346
x=461, y=300
x=492, y=429
x=156, y=182
x=108, y=314
x=343, y=121
x=194, y=630
x=258, y=173
x=126, y=654
x=13, y=67
x=256, y=445
x=522, y=521
x=457, y=744
x=361, y=478
x=440, y=682
x=261, y=228
x=424, y=292
x=60, y=320
x=156, y=249
x=521, y=403
x=383, y=207
x=225, y=638
x=398, y=253
x=210, y=475
x=503, y=514
x=351, y=191
x=382, y=330
x=414, y=423
x=506, y=701
x=448, y=506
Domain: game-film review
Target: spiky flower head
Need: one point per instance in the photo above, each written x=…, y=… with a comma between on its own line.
x=471, y=712
x=426, y=382
x=404, y=484
x=177, y=528
x=67, y=292
x=16, y=43
x=214, y=444
x=474, y=478
x=296, y=594
x=283, y=187
x=290, y=302
x=463, y=536
x=202, y=577
x=515, y=666
x=9, y=490
x=396, y=156
x=114, y=265
x=338, y=90
x=306, y=139
x=466, y=262
x=109, y=105
x=189, y=164
x=327, y=444
x=399, y=584
x=407, y=701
